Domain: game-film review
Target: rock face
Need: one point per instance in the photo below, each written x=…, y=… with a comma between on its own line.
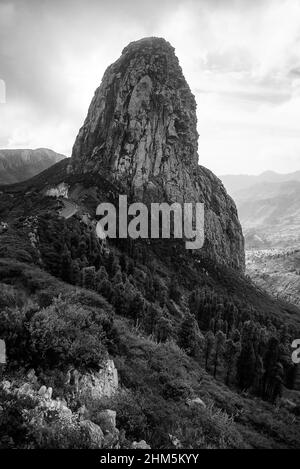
x=92, y=433
x=95, y=386
x=141, y=130
x=140, y=445
x=45, y=412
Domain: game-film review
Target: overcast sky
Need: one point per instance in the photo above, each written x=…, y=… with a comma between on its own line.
x=240, y=57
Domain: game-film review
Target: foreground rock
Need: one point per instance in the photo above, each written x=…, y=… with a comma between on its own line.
x=93, y=434
x=95, y=386
x=196, y=401
x=140, y=445
x=48, y=417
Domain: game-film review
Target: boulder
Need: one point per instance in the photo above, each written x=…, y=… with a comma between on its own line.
x=48, y=393
x=92, y=434
x=107, y=420
x=195, y=401
x=42, y=391
x=288, y=404
x=95, y=386
x=140, y=445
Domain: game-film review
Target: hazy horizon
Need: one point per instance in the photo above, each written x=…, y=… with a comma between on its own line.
x=240, y=58
x=219, y=175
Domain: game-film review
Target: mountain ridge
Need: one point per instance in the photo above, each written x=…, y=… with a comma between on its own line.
x=17, y=165
x=235, y=182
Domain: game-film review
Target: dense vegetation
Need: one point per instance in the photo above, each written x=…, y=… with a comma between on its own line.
x=230, y=338
x=177, y=327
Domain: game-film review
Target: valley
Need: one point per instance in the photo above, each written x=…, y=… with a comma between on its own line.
x=277, y=271
x=268, y=207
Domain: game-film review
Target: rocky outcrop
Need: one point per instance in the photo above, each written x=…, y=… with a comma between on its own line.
x=92, y=433
x=195, y=402
x=141, y=130
x=140, y=445
x=95, y=386
x=46, y=415
x=141, y=124
x=107, y=420
x=59, y=191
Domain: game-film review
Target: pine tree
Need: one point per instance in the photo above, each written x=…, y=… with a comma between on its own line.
x=105, y=289
x=174, y=291
x=246, y=365
x=76, y=273
x=231, y=350
x=82, y=247
x=119, y=299
x=225, y=328
x=209, y=345
x=259, y=373
x=189, y=335
x=110, y=264
x=123, y=262
x=273, y=376
x=219, y=350
x=117, y=278
x=275, y=383
x=212, y=325
x=137, y=308
x=88, y=277
x=152, y=314
x=66, y=265
x=101, y=275
x=164, y=329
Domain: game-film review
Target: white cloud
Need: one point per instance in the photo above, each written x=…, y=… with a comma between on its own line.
x=241, y=59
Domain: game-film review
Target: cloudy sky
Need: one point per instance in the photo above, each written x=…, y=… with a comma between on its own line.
x=240, y=57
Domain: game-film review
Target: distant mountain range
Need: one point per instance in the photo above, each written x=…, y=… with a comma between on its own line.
x=268, y=207
x=19, y=165
x=237, y=182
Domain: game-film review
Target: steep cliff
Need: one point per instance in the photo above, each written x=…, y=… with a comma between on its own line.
x=141, y=129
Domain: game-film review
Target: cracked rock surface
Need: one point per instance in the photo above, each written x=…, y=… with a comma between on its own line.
x=141, y=129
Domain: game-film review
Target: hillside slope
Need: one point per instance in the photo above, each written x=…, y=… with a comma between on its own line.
x=167, y=313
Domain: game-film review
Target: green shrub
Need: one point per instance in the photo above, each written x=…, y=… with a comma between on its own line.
x=67, y=333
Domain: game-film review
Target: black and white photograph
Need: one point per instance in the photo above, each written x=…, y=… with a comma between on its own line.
x=149, y=228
